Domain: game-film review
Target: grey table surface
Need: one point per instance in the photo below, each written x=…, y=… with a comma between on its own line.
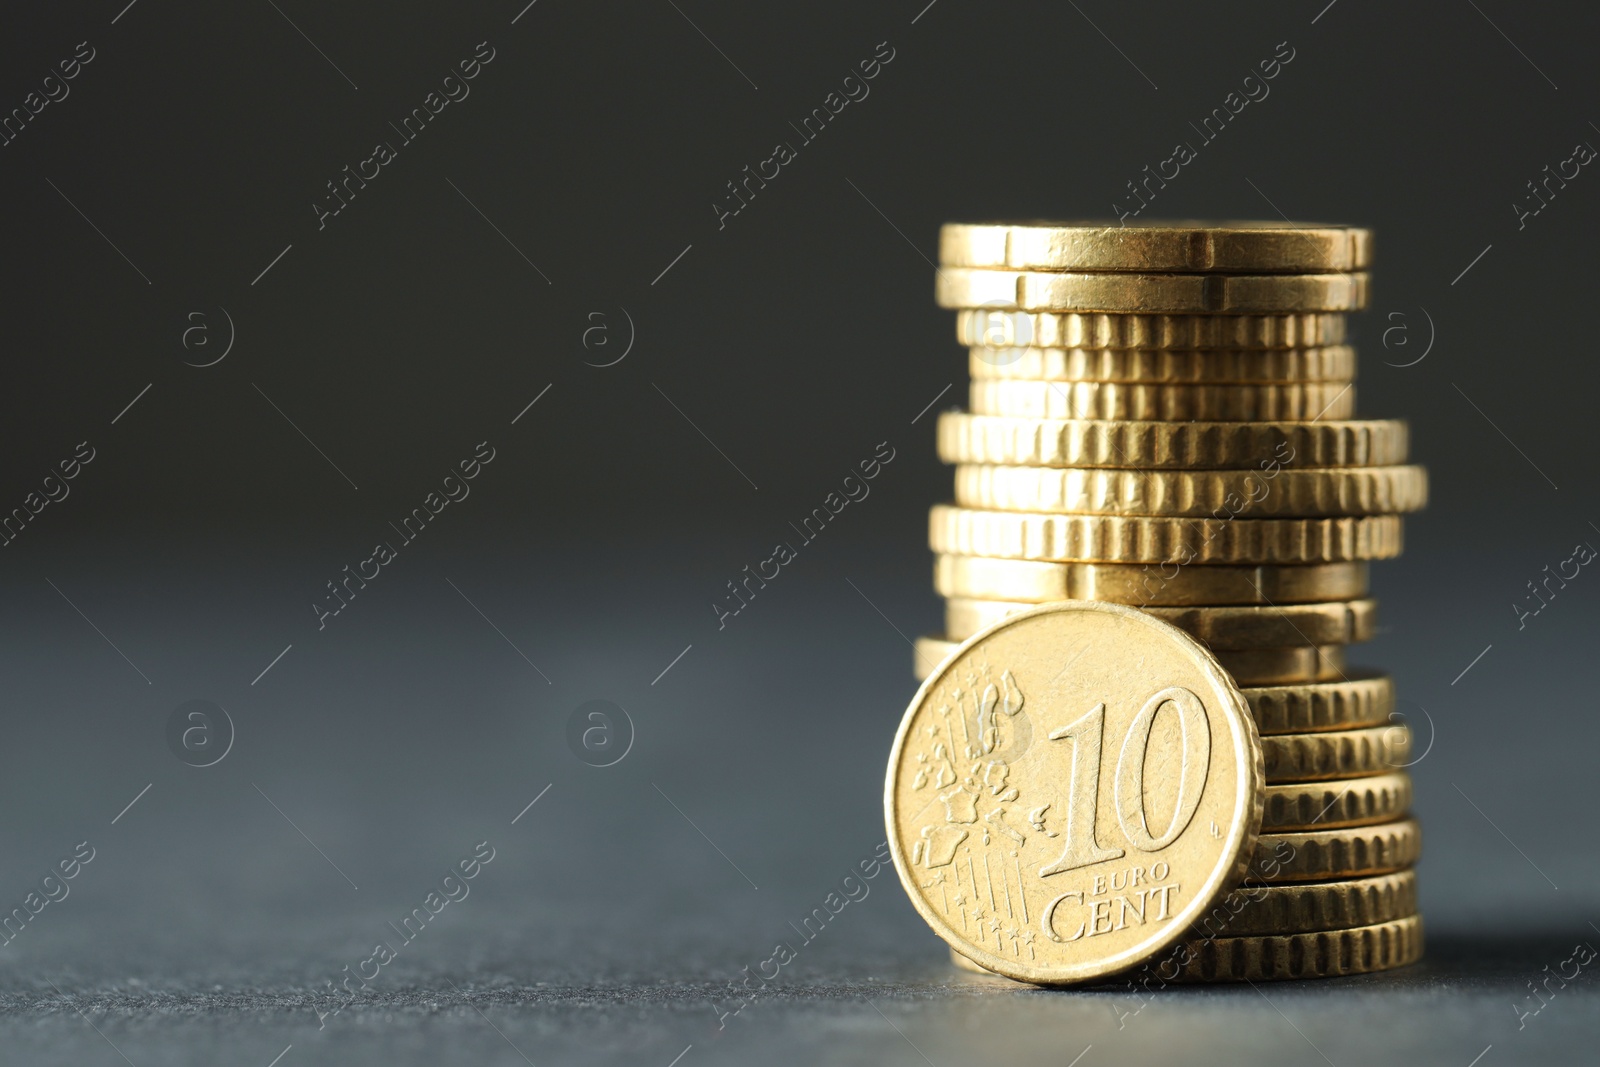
x=621, y=911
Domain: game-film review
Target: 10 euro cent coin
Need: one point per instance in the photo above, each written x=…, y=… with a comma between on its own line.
x=1071, y=789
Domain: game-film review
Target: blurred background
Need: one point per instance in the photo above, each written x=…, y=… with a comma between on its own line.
x=550, y=273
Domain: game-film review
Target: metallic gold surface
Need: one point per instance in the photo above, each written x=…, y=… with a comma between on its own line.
x=1320, y=855
x=1162, y=403
x=1349, y=703
x=1238, y=247
x=1258, y=910
x=966, y=438
x=1296, y=493
x=987, y=578
x=1169, y=366
x=1340, y=622
x=1137, y=293
x=1249, y=667
x=1001, y=328
x=1330, y=805
x=1336, y=753
x=1137, y=539
x=1070, y=791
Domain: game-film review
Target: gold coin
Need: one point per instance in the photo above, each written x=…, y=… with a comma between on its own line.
x=1284, y=666
x=1340, y=622
x=965, y=438
x=1321, y=954
x=1329, y=805
x=1129, y=293
x=1298, y=493
x=1319, y=855
x=1350, y=703
x=1166, y=366
x=1336, y=753
x=1137, y=539
x=1041, y=820
x=1161, y=403
x=1225, y=247
x=1273, y=957
x=1036, y=581
x=1000, y=328
x=1254, y=910
x=1294, y=667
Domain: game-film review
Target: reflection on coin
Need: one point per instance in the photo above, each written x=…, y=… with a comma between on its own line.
x=1209, y=247
x=1070, y=790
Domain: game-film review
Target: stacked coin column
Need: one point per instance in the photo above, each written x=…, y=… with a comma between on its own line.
x=1163, y=416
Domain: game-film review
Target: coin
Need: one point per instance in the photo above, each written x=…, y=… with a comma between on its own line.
x=1002, y=328
x=1339, y=622
x=1318, y=855
x=1036, y=581
x=965, y=438
x=1130, y=293
x=1328, y=805
x=1161, y=403
x=1333, y=491
x=1284, y=666
x=1257, y=910
x=1249, y=667
x=1137, y=539
x=1357, y=701
x=1070, y=790
x=1238, y=247
x=1336, y=753
x=1322, y=954
x=1172, y=366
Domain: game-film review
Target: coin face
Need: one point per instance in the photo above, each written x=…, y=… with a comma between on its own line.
x=1071, y=789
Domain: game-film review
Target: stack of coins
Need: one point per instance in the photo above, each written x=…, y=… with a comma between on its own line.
x=1163, y=416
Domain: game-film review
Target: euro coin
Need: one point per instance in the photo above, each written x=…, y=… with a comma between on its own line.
x=1340, y=622
x=1161, y=403
x=1140, y=539
x=1336, y=753
x=1071, y=790
x=1145, y=444
x=1276, y=493
x=1281, y=667
x=1224, y=247
x=1328, y=805
x=1167, y=366
x=987, y=578
x=1135, y=294
x=1352, y=852
x=1004, y=328
x=1349, y=703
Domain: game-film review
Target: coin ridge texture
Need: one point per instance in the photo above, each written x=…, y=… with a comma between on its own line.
x=1144, y=444
x=1027, y=717
x=1240, y=247
x=1307, y=664
x=1153, y=402
x=1139, y=293
x=1284, y=493
x=1319, y=855
x=1342, y=802
x=1163, y=365
x=1331, y=754
x=998, y=327
x=1366, y=700
x=1149, y=539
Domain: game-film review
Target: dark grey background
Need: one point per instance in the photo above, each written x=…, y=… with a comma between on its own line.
x=796, y=338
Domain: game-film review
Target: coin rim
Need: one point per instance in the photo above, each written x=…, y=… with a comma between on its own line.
x=1238, y=848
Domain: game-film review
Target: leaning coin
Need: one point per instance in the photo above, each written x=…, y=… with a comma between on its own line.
x=1003, y=835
